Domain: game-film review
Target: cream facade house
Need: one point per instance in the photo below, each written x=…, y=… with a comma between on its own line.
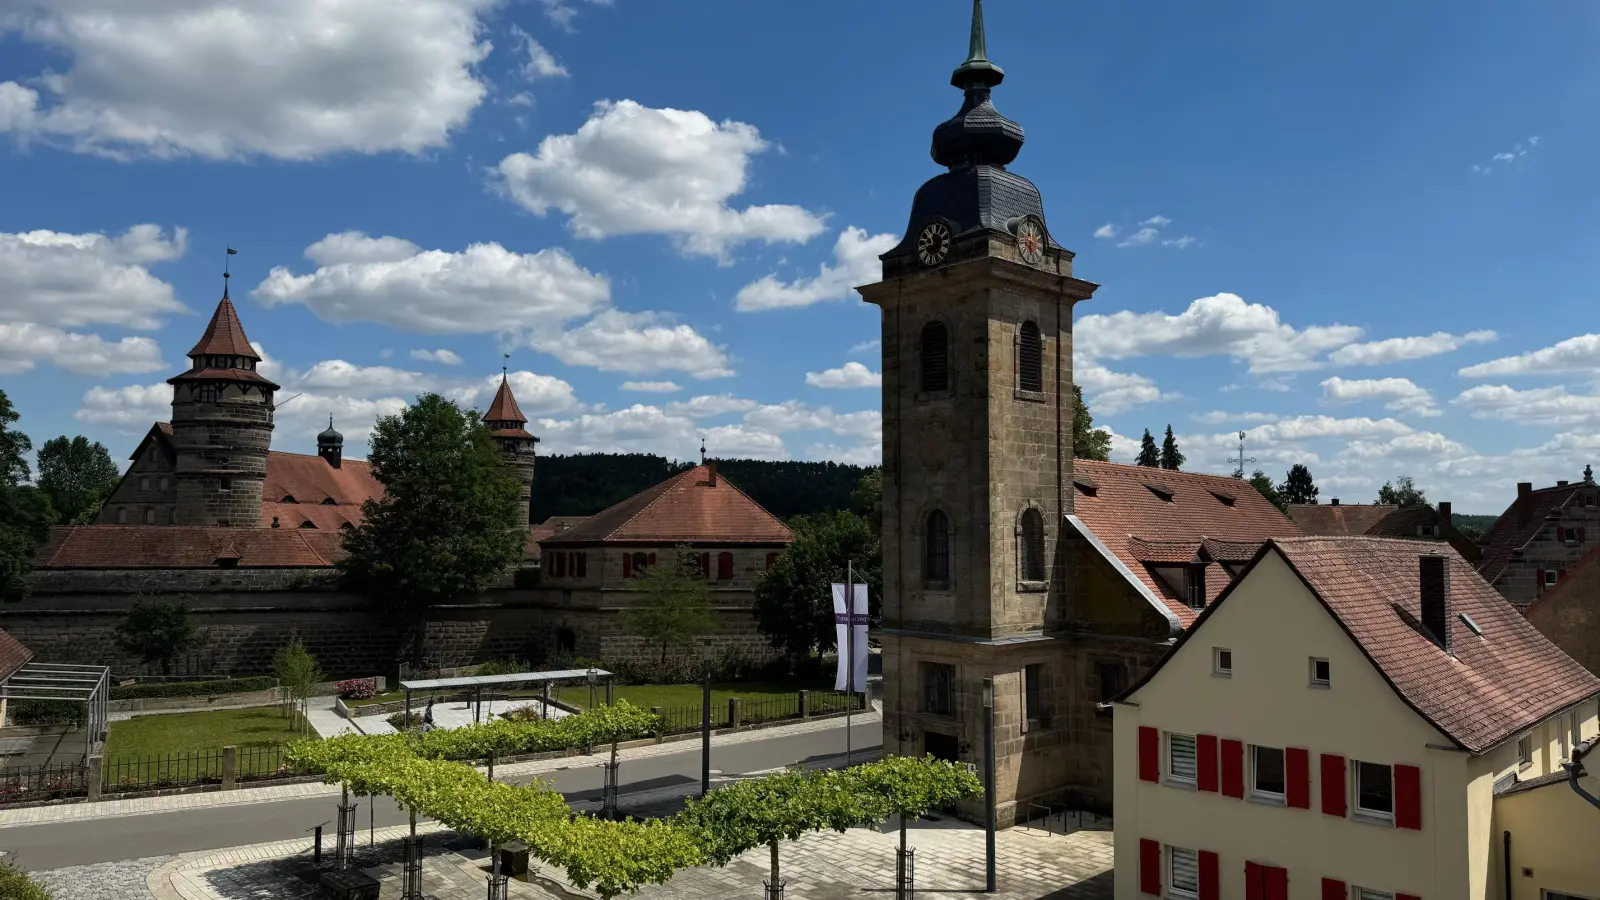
x=1357, y=718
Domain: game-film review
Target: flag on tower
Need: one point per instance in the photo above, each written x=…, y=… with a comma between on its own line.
x=232, y=252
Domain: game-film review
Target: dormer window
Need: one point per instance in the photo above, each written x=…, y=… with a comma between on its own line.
x=1224, y=499
x=1428, y=531
x=329, y=501
x=288, y=498
x=1161, y=493
x=308, y=524
x=1194, y=586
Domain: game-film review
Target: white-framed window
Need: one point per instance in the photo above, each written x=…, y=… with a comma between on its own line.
x=1180, y=758
x=1369, y=894
x=1428, y=531
x=1569, y=535
x=1183, y=872
x=1550, y=577
x=1321, y=673
x=1524, y=751
x=1374, y=784
x=1221, y=661
x=1266, y=773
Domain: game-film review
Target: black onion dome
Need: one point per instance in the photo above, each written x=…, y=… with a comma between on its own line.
x=330, y=436
x=978, y=135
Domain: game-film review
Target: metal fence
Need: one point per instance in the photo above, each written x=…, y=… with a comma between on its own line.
x=166, y=770
x=770, y=709
x=681, y=719
x=835, y=701
x=26, y=784
x=262, y=763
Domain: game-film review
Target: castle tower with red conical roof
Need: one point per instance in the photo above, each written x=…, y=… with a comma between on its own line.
x=506, y=420
x=221, y=427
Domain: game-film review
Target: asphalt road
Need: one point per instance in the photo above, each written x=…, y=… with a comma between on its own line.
x=51, y=846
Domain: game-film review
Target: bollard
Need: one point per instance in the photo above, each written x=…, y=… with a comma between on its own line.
x=316, y=848
x=735, y=708
x=94, y=777
x=805, y=704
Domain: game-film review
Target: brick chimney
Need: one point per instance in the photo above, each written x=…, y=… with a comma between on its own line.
x=1444, y=510
x=1435, y=583
x=1524, y=488
x=1334, y=502
x=1561, y=484
x=711, y=469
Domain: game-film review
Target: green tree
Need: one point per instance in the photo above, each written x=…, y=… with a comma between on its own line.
x=14, y=446
x=794, y=599
x=16, y=885
x=158, y=630
x=298, y=673
x=1171, y=457
x=449, y=521
x=867, y=499
x=1262, y=483
x=25, y=512
x=676, y=607
x=909, y=788
x=1402, y=492
x=77, y=476
x=1297, y=487
x=1088, y=442
x=1149, y=456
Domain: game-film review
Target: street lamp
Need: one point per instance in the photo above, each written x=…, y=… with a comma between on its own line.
x=988, y=785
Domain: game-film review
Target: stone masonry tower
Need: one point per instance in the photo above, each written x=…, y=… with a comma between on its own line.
x=507, y=422
x=221, y=427
x=977, y=455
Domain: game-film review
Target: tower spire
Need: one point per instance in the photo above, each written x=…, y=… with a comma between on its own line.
x=225, y=273
x=977, y=72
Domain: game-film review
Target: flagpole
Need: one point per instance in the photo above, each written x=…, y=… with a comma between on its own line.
x=850, y=660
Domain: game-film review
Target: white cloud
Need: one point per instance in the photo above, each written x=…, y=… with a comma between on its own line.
x=1504, y=157
x=562, y=12
x=1398, y=394
x=860, y=455
x=849, y=375
x=636, y=343
x=1221, y=325
x=866, y=347
x=651, y=387
x=340, y=377
x=1393, y=350
x=1106, y=231
x=631, y=169
x=1550, y=406
x=1148, y=231
x=794, y=415
x=855, y=256
x=55, y=278
x=1157, y=221
x=1222, y=417
x=447, y=357
x=23, y=343
x=132, y=408
x=1107, y=392
x=1146, y=235
x=536, y=394
x=482, y=289
x=1182, y=243
x=540, y=62
x=291, y=79
x=710, y=405
x=1575, y=354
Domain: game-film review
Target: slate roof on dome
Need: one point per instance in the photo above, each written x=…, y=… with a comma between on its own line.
x=330, y=435
x=695, y=506
x=1490, y=686
x=1120, y=504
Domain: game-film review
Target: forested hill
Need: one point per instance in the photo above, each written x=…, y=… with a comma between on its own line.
x=585, y=483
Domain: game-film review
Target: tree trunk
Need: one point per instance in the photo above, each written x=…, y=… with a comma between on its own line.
x=774, y=846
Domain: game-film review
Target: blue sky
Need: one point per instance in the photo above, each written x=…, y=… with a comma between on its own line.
x=1362, y=232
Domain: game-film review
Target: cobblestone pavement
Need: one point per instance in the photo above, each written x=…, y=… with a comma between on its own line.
x=126, y=880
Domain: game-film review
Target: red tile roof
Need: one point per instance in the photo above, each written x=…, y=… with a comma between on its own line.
x=225, y=335
x=185, y=547
x=692, y=507
x=1118, y=504
x=1521, y=522
x=504, y=408
x=1344, y=519
x=13, y=656
x=546, y=530
x=311, y=482
x=244, y=375
x=1487, y=689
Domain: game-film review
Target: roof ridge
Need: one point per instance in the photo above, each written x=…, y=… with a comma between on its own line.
x=661, y=490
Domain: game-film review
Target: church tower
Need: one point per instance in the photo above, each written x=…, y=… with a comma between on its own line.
x=506, y=420
x=976, y=305
x=221, y=427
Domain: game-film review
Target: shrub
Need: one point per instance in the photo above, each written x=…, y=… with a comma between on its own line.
x=398, y=720
x=217, y=688
x=16, y=885
x=49, y=712
x=502, y=667
x=358, y=688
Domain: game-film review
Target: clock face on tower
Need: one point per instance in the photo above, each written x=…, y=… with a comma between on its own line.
x=1030, y=240
x=933, y=243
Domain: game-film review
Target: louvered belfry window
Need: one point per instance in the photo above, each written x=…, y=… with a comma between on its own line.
x=937, y=567
x=935, y=357
x=1030, y=359
x=1030, y=544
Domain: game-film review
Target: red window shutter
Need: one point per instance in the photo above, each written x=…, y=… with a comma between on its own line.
x=1560, y=574
x=1205, y=762
x=1232, y=768
x=1333, y=794
x=652, y=559
x=1580, y=534
x=1252, y=881
x=1334, y=890
x=1408, y=797
x=583, y=565
x=1210, y=877
x=724, y=566
x=1149, y=867
x=1149, y=754
x=772, y=559
x=1538, y=578
x=627, y=565
x=1297, y=777
x=1275, y=883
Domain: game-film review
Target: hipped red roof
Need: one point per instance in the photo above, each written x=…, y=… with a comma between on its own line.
x=185, y=547
x=693, y=507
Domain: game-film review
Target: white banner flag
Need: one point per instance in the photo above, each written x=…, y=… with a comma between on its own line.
x=847, y=621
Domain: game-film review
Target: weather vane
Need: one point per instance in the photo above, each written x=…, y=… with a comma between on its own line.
x=225, y=273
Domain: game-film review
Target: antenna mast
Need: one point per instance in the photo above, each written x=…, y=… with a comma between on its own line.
x=1242, y=459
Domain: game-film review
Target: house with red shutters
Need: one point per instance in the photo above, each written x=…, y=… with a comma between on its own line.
x=1357, y=718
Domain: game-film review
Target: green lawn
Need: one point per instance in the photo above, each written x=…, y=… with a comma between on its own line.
x=188, y=746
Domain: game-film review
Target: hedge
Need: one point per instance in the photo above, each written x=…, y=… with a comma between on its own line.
x=217, y=688
x=15, y=885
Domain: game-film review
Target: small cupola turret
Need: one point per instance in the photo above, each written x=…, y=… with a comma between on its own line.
x=330, y=445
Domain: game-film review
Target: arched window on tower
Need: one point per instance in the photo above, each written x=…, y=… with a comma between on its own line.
x=936, y=565
x=935, y=357
x=1030, y=359
x=1030, y=546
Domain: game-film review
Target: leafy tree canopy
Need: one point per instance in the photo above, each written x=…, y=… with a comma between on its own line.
x=1261, y=482
x=449, y=521
x=676, y=606
x=14, y=446
x=1298, y=487
x=1171, y=458
x=77, y=475
x=158, y=630
x=1088, y=442
x=867, y=499
x=1402, y=492
x=25, y=512
x=1149, y=456
x=794, y=599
